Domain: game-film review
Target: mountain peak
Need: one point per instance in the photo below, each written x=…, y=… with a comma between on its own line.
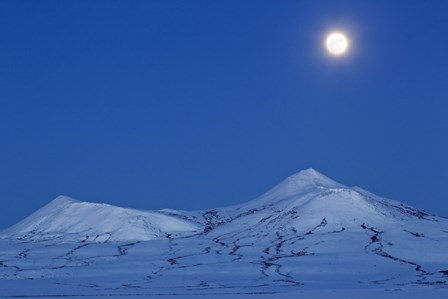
x=59, y=202
x=302, y=182
x=63, y=200
x=313, y=177
x=310, y=171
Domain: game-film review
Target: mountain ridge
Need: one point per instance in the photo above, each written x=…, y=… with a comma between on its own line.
x=307, y=232
x=307, y=193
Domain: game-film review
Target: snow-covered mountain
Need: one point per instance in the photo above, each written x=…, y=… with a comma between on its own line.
x=307, y=234
x=67, y=219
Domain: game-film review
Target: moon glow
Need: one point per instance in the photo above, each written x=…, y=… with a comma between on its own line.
x=336, y=43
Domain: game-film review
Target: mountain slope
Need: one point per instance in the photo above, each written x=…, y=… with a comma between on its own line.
x=308, y=233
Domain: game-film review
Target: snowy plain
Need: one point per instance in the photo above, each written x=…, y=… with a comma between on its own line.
x=308, y=237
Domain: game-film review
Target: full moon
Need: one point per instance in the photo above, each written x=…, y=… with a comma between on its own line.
x=337, y=43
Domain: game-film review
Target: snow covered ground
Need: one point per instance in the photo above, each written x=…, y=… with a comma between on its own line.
x=308, y=236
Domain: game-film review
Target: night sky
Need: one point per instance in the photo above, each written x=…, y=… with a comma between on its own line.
x=200, y=104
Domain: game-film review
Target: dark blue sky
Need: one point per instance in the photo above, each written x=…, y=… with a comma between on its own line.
x=199, y=104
